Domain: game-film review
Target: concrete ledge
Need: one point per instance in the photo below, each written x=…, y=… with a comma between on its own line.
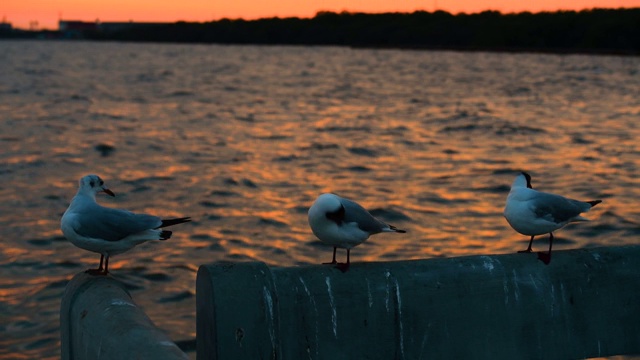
x=586, y=303
x=99, y=320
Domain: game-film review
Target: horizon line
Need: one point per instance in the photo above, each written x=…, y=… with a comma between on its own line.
x=4, y=20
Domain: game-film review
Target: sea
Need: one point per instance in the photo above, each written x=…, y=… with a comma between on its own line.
x=244, y=138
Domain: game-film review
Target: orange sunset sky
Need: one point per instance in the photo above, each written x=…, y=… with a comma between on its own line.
x=21, y=13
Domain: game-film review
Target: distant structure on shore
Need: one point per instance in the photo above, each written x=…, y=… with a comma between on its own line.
x=74, y=29
x=5, y=26
x=593, y=31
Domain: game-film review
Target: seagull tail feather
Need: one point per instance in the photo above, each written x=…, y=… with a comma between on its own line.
x=593, y=202
x=171, y=222
x=396, y=229
x=165, y=235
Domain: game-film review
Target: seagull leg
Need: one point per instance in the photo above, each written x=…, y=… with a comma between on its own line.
x=545, y=257
x=342, y=266
x=106, y=265
x=529, y=248
x=98, y=270
x=334, y=257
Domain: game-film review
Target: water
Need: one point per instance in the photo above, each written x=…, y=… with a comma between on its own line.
x=244, y=138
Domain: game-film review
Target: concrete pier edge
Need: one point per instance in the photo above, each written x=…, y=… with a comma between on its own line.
x=586, y=303
x=100, y=320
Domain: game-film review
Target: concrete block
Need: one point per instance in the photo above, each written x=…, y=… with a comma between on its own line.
x=586, y=303
x=99, y=320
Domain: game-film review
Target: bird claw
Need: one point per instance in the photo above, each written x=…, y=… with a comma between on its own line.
x=525, y=251
x=330, y=263
x=544, y=257
x=342, y=267
x=99, y=271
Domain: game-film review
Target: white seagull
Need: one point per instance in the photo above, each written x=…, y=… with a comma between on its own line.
x=105, y=230
x=532, y=212
x=343, y=223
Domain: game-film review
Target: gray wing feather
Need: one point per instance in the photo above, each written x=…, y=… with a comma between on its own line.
x=113, y=224
x=557, y=208
x=356, y=213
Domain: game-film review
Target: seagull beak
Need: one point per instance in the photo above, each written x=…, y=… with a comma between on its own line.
x=108, y=192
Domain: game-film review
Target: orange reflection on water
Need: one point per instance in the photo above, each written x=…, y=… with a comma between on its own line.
x=12, y=252
x=244, y=142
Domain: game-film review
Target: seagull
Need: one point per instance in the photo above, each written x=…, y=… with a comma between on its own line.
x=533, y=213
x=105, y=230
x=343, y=223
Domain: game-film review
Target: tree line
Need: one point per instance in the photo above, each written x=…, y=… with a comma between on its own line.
x=595, y=30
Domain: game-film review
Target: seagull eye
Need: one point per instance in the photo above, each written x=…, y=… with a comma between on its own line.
x=101, y=182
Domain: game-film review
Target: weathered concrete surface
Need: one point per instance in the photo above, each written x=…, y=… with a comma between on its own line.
x=99, y=320
x=586, y=303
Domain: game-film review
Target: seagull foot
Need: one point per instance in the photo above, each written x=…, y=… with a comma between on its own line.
x=525, y=251
x=544, y=257
x=99, y=271
x=342, y=267
x=330, y=263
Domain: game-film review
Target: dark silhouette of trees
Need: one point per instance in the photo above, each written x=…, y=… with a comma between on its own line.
x=595, y=30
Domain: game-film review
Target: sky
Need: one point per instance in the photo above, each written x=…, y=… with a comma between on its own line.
x=44, y=14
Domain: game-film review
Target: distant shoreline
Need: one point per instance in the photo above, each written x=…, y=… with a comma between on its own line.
x=596, y=31
x=595, y=52
x=509, y=50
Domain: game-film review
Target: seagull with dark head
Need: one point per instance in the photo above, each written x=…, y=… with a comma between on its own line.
x=108, y=231
x=344, y=224
x=533, y=213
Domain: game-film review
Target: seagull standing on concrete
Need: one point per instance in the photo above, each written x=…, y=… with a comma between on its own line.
x=105, y=230
x=343, y=223
x=533, y=213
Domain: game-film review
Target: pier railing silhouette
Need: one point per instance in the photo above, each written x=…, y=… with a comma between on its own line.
x=99, y=320
x=586, y=303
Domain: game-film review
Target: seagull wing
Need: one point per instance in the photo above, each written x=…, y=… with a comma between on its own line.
x=354, y=213
x=557, y=208
x=112, y=224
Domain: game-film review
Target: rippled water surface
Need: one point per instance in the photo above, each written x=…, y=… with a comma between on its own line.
x=244, y=138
